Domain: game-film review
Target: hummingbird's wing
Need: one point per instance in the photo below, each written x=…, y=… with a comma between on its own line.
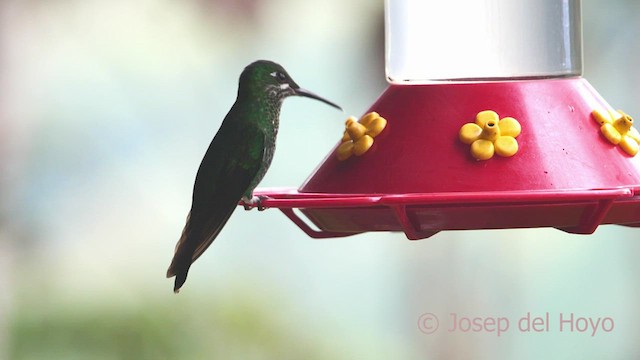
x=225, y=174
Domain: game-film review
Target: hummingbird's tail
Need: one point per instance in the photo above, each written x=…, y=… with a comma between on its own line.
x=182, y=259
x=181, y=278
x=179, y=268
x=199, y=232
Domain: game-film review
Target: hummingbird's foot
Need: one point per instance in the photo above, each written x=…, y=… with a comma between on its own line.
x=255, y=201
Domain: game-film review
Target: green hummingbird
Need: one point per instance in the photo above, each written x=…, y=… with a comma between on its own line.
x=236, y=160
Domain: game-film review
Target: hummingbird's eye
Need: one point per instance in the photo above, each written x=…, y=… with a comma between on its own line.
x=281, y=77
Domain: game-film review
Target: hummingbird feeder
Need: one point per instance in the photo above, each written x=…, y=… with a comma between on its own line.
x=486, y=124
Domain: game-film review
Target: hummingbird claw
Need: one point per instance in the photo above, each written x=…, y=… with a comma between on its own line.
x=254, y=202
x=260, y=199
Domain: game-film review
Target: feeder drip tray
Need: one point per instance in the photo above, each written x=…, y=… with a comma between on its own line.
x=480, y=155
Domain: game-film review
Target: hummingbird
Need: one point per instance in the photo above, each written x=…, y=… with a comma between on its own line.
x=236, y=161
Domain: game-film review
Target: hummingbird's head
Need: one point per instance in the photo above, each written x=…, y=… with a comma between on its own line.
x=273, y=80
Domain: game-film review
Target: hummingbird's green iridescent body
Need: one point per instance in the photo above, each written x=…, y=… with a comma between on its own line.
x=236, y=161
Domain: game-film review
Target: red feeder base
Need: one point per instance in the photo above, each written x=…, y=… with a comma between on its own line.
x=418, y=177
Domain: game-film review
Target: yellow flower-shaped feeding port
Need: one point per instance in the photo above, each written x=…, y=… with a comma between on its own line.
x=358, y=135
x=617, y=127
x=490, y=135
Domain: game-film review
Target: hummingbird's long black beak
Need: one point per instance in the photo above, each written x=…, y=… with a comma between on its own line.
x=309, y=94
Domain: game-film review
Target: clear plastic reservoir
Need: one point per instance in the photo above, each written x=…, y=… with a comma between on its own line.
x=445, y=40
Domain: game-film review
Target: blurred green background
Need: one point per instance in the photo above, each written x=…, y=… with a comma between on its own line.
x=106, y=108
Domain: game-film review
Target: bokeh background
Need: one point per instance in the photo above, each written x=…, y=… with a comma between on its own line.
x=106, y=108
